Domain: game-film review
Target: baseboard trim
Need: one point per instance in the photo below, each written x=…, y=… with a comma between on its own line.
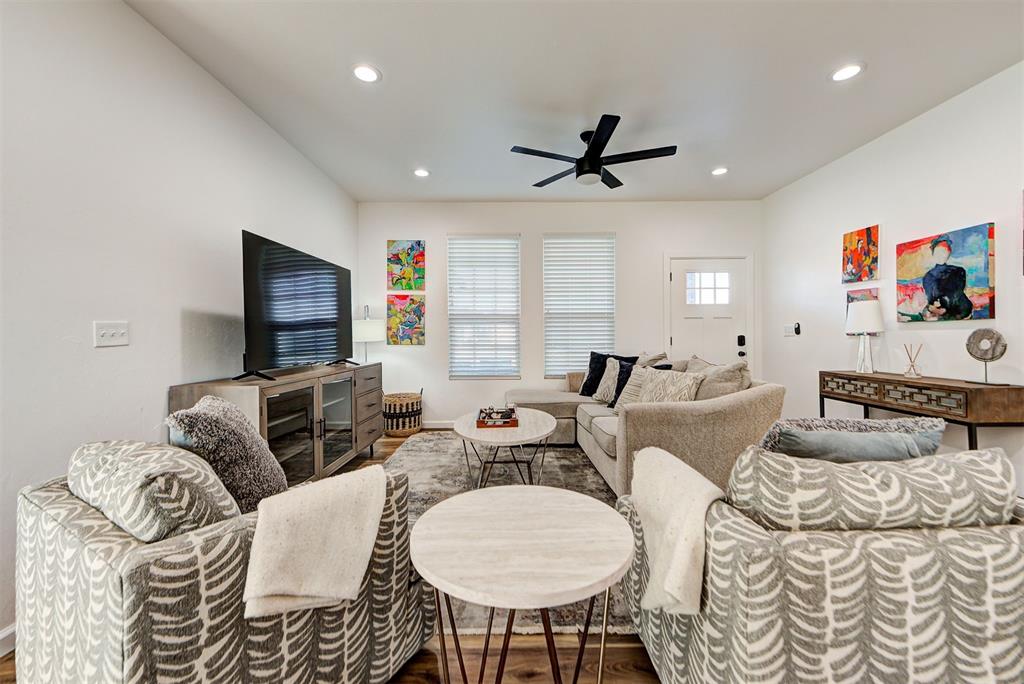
x=7, y=639
x=438, y=424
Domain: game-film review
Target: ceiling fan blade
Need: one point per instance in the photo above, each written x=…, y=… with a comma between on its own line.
x=552, y=179
x=638, y=155
x=608, y=179
x=602, y=134
x=546, y=155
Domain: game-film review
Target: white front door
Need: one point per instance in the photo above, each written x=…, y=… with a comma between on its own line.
x=708, y=310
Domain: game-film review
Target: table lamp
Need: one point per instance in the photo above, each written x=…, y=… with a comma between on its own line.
x=864, y=318
x=368, y=330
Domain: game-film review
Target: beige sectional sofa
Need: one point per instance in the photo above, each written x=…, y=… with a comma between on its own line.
x=711, y=432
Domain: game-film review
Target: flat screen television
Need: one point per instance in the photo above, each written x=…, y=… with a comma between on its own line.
x=298, y=308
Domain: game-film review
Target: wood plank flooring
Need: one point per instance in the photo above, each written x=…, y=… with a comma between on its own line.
x=625, y=660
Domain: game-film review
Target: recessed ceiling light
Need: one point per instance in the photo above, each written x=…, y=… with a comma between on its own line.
x=847, y=72
x=720, y=171
x=421, y=173
x=366, y=73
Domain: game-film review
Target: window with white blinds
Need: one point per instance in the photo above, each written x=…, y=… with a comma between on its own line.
x=579, y=300
x=483, y=306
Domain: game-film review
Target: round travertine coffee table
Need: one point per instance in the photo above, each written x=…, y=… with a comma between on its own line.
x=521, y=548
x=534, y=428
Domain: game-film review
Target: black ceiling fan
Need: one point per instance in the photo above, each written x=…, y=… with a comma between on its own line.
x=590, y=168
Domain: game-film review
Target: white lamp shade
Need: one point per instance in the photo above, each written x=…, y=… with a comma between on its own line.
x=368, y=330
x=864, y=317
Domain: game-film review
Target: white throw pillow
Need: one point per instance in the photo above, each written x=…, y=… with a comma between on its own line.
x=606, y=388
x=652, y=359
x=631, y=392
x=669, y=385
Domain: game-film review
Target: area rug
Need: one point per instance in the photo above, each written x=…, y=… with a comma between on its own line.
x=436, y=467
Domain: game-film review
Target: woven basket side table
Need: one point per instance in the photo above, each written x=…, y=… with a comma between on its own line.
x=403, y=414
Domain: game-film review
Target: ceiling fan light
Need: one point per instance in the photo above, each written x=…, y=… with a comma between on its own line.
x=588, y=178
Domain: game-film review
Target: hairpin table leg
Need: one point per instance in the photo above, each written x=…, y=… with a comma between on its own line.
x=543, y=453
x=455, y=637
x=604, y=634
x=583, y=640
x=440, y=637
x=504, y=646
x=487, y=642
x=556, y=673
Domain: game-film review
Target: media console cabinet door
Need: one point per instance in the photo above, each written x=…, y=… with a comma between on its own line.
x=336, y=422
x=288, y=423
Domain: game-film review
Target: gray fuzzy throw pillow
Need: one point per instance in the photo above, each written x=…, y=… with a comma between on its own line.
x=219, y=432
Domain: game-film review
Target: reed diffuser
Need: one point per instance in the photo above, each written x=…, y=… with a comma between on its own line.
x=912, y=355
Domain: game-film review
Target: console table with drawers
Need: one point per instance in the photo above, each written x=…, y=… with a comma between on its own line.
x=315, y=419
x=971, y=404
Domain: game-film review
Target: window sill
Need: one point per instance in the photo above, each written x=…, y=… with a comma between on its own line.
x=485, y=377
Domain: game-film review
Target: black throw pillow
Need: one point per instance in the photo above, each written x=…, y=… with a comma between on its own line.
x=596, y=370
x=625, y=370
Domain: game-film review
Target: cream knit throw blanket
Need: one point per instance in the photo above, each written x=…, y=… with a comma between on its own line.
x=672, y=500
x=312, y=544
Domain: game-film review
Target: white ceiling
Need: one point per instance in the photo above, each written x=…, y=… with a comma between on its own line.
x=740, y=84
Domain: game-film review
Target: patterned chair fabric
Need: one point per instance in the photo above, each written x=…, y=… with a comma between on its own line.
x=152, y=491
x=842, y=606
x=936, y=605
x=782, y=492
x=95, y=604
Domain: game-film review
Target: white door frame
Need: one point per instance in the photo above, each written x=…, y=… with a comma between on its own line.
x=748, y=263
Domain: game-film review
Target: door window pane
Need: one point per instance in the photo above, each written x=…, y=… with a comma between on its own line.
x=707, y=288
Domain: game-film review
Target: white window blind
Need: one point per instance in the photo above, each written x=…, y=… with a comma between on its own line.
x=483, y=306
x=579, y=300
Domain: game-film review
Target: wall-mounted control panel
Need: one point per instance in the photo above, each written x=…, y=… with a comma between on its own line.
x=110, y=334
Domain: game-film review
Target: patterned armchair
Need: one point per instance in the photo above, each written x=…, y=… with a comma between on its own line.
x=892, y=605
x=97, y=605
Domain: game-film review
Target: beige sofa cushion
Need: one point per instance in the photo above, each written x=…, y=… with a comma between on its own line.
x=604, y=429
x=557, y=403
x=586, y=413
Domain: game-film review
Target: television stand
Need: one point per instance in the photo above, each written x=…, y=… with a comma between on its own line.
x=314, y=419
x=253, y=374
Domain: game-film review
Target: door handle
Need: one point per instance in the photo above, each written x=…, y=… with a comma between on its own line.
x=741, y=340
x=742, y=353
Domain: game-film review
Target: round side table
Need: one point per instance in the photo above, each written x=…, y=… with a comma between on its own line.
x=521, y=548
x=534, y=428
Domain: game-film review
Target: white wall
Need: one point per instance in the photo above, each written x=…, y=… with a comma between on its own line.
x=645, y=233
x=957, y=165
x=128, y=174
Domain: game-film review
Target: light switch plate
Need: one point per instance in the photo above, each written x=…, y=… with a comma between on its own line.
x=110, y=334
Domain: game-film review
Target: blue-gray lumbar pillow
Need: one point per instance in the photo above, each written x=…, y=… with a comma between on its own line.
x=850, y=447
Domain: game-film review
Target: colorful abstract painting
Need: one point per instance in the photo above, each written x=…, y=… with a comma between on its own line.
x=405, y=319
x=864, y=295
x=407, y=268
x=860, y=255
x=947, y=277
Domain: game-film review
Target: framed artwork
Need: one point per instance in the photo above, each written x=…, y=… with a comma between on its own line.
x=407, y=269
x=947, y=277
x=860, y=255
x=405, y=319
x=861, y=295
